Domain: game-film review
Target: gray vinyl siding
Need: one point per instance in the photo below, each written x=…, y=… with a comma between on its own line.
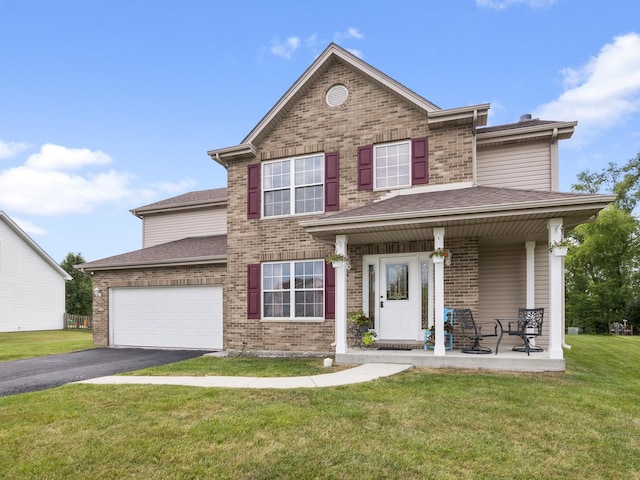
x=503, y=289
x=526, y=166
x=167, y=227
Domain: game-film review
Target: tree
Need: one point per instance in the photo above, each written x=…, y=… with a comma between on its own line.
x=602, y=273
x=78, y=298
x=603, y=277
x=623, y=181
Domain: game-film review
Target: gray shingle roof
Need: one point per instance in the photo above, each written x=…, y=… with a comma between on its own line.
x=511, y=126
x=191, y=250
x=201, y=197
x=440, y=202
x=465, y=212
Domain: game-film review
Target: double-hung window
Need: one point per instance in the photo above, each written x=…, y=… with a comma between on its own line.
x=293, y=186
x=392, y=165
x=293, y=290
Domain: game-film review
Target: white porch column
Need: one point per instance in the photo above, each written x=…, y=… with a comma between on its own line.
x=556, y=294
x=531, y=274
x=341, y=296
x=438, y=290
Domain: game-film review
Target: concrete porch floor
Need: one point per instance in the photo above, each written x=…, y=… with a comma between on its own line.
x=508, y=360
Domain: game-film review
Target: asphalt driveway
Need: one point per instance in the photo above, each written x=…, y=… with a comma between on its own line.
x=30, y=375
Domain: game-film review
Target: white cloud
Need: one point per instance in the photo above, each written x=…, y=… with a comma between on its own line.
x=503, y=4
x=175, y=187
x=312, y=40
x=29, y=227
x=44, y=186
x=348, y=34
x=57, y=157
x=285, y=49
x=47, y=192
x=291, y=45
x=603, y=92
x=11, y=149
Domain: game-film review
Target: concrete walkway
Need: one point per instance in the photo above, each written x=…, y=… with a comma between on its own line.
x=359, y=374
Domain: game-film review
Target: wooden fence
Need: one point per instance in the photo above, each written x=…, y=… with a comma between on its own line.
x=77, y=322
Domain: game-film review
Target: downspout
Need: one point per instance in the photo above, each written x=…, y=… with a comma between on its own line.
x=473, y=146
x=555, y=167
x=564, y=328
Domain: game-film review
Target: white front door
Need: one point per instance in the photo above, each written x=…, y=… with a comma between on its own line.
x=399, y=299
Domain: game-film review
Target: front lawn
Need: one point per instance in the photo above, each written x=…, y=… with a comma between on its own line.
x=419, y=424
x=17, y=345
x=241, y=366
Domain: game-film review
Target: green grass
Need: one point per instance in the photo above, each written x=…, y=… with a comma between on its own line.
x=419, y=424
x=241, y=366
x=17, y=345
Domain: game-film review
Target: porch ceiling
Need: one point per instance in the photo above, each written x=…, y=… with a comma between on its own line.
x=465, y=213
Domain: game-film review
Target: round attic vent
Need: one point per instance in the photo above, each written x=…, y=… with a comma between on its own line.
x=337, y=95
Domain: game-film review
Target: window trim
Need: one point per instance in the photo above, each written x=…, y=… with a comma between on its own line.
x=292, y=186
x=376, y=146
x=292, y=291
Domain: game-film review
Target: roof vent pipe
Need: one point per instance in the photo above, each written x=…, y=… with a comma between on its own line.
x=526, y=117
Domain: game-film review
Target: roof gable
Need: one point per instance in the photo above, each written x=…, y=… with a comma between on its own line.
x=332, y=54
x=33, y=245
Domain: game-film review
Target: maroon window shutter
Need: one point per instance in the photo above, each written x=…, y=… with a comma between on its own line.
x=329, y=292
x=365, y=168
x=331, y=182
x=253, y=290
x=419, y=161
x=253, y=191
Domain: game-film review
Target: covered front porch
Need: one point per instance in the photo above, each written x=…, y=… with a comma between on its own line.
x=503, y=361
x=498, y=239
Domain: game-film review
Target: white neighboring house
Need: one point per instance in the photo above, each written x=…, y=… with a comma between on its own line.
x=32, y=284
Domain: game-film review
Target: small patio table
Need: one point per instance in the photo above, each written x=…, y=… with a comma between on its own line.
x=521, y=332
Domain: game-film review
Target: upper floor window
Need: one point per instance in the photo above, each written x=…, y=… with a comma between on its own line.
x=293, y=186
x=392, y=165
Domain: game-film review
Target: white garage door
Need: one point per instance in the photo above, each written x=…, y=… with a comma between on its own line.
x=166, y=317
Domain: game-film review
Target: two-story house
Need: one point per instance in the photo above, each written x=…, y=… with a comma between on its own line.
x=351, y=161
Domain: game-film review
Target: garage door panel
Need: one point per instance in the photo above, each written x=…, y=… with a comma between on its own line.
x=173, y=317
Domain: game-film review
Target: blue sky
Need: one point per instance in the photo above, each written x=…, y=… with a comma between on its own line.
x=108, y=105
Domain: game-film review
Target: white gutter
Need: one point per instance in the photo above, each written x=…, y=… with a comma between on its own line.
x=521, y=133
x=244, y=150
x=141, y=212
x=461, y=113
x=151, y=263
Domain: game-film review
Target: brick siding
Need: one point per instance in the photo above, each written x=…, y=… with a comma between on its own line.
x=370, y=115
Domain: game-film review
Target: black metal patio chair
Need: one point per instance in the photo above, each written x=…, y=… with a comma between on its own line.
x=528, y=325
x=473, y=330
